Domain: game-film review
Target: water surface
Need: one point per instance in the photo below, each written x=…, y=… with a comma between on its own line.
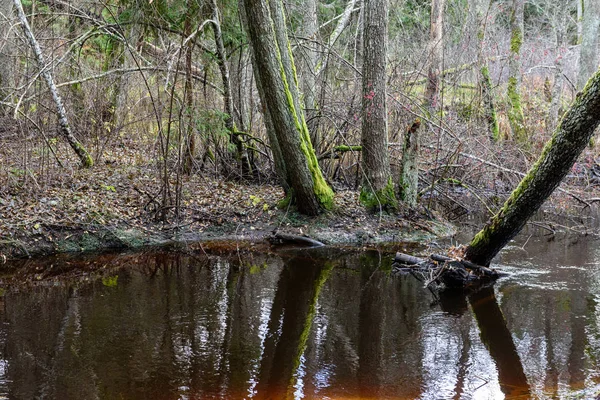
x=310, y=324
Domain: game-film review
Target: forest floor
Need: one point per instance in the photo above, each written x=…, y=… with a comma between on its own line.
x=47, y=209
x=117, y=204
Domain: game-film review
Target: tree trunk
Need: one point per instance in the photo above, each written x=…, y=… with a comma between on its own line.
x=234, y=135
x=516, y=117
x=560, y=153
x=485, y=81
x=189, y=138
x=307, y=65
x=560, y=28
x=5, y=16
x=590, y=28
x=435, y=52
x=377, y=190
x=276, y=72
x=65, y=129
x=409, y=174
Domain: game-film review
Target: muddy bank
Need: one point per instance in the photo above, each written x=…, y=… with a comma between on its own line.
x=371, y=231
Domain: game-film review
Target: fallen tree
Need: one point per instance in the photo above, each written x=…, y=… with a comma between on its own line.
x=558, y=156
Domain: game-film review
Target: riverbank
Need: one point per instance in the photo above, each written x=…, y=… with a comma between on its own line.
x=101, y=209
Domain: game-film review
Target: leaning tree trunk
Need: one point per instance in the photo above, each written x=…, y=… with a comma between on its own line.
x=560, y=153
x=65, y=129
x=590, y=28
x=276, y=71
x=516, y=117
x=377, y=191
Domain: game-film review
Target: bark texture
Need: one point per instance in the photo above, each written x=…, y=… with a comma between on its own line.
x=561, y=46
x=590, y=29
x=234, y=135
x=409, y=175
x=560, y=153
x=516, y=117
x=65, y=129
x=276, y=72
x=435, y=52
x=485, y=80
x=308, y=57
x=5, y=16
x=377, y=191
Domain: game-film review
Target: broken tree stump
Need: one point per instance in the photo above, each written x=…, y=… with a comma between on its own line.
x=444, y=271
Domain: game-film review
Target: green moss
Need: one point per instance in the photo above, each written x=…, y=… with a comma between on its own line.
x=323, y=192
x=312, y=309
x=110, y=281
x=381, y=199
x=516, y=117
x=482, y=238
x=490, y=111
x=516, y=40
x=343, y=148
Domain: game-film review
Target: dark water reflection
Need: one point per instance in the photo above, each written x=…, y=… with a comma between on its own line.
x=308, y=324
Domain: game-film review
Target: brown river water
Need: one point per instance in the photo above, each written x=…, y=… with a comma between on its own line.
x=303, y=324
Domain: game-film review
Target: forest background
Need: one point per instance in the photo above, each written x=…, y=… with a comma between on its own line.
x=163, y=131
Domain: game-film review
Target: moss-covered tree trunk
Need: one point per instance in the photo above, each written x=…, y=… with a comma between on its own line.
x=377, y=189
x=560, y=153
x=65, y=129
x=590, y=30
x=516, y=118
x=280, y=94
x=485, y=81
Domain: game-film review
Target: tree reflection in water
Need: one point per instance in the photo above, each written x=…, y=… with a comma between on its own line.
x=311, y=324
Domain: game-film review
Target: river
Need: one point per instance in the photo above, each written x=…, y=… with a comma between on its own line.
x=312, y=324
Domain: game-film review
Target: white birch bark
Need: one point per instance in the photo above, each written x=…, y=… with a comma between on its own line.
x=65, y=129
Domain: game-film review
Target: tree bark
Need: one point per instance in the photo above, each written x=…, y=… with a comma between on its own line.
x=560, y=153
x=308, y=64
x=485, y=80
x=516, y=117
x=276, y=72
x=6, y=7
x=435, y=52
x=560, y=30
x=65, y=129
x=377, y=189
x=590, y=29
x=234, y=135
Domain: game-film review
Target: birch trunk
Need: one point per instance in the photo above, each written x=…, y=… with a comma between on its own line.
x=65, y=129
x=560, y=153
x=377, y=189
